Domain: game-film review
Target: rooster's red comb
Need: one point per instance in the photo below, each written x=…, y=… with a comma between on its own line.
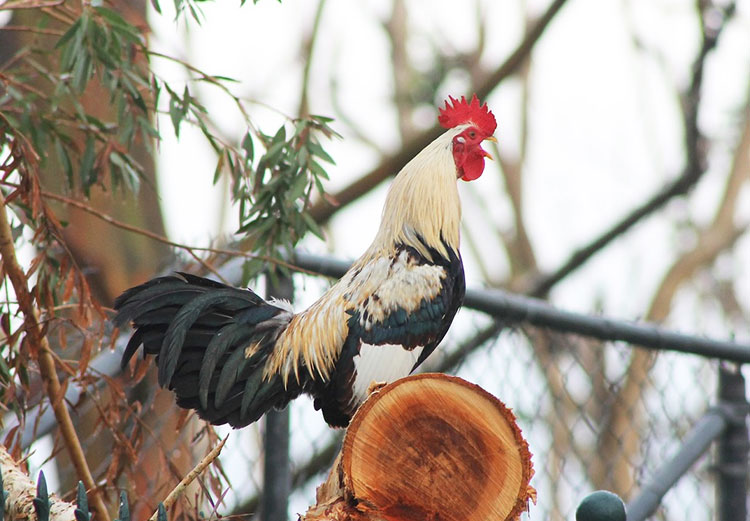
x=460, y=112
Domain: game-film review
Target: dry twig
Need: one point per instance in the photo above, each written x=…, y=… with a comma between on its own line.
x=41, y=350
x=188, y=479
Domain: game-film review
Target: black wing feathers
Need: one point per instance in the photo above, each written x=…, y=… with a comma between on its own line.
x=426, y=326
x=199, y=330
x=407, y=329
x=448, y=301
x=334, y=398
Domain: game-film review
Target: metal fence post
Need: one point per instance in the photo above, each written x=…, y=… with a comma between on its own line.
x=732, y=448
x=277, y=478
x=277, y=474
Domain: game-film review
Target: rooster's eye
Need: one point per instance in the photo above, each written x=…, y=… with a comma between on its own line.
x=472, y=134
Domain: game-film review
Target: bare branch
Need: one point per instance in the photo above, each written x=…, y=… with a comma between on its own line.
x=691, y=174
x=160, y=238
x=396, y=28
x=323, y=210
x=304, y=106
x=200, y=467
x=621, y=434
x=41, y=350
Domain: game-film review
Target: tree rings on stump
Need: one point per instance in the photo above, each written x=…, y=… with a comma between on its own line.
x=431, y=447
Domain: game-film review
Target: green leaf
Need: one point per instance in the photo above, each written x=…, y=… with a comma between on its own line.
x=192, y=102
x=219, y=168
x=176, y=113
x=161, y=512
x=300, y=127
x=220, y=78
x=280, y=134
x=147, y=128
x=5, y=375
x=65, y=38
x=316, y=150
x=317, y=170
x=252, y=268
x=258, y=226
x=321, y=119
x=96, y=122
x=134, y=94
x=319, y=186
x=86, y=174
x=82, y=513
x=41, y=501
x=196, y=13
x=297, y=190
x=312, y=225
x=302, y=156
x=155, y=90
x=64, y=159
x=82, y=72
x=23, y=375
x=273, y=153
x=247, y=146
x=129, y=174
x=126, y=129
x=118, y=22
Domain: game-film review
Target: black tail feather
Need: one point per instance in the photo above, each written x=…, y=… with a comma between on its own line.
x=199, y=331
x=222, y=302
x=214, y=353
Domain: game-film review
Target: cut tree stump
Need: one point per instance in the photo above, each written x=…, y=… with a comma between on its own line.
x=428, y=447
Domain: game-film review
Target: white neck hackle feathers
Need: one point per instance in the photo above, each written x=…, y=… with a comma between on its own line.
x=422, y=202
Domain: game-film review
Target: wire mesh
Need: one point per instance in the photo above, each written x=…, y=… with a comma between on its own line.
x=596, y=415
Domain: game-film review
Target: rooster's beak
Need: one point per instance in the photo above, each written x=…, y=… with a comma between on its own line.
x=487, y=154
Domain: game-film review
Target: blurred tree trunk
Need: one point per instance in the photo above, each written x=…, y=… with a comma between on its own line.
x=116, y=259
x=112, y=260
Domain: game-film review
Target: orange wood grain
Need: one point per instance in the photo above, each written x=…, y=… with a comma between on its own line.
x=429, y=446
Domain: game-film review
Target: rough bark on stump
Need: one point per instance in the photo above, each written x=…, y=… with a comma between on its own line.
x=428, y=447
x=19, y=505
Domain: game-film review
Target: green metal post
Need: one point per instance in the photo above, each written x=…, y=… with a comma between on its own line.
x=277, y=474
x=732, y=448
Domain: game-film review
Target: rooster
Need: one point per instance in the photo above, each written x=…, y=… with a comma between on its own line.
x=232, y=356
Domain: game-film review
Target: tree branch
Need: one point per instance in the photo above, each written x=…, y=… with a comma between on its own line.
x=40, y=349
x=191, y=250
x=621, y=433
x=323, y=210
x=396, y=28
x=691, y=174
x=304, y=106
x=182, y=485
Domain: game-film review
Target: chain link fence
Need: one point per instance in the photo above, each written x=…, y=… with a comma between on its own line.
x=596, y=415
